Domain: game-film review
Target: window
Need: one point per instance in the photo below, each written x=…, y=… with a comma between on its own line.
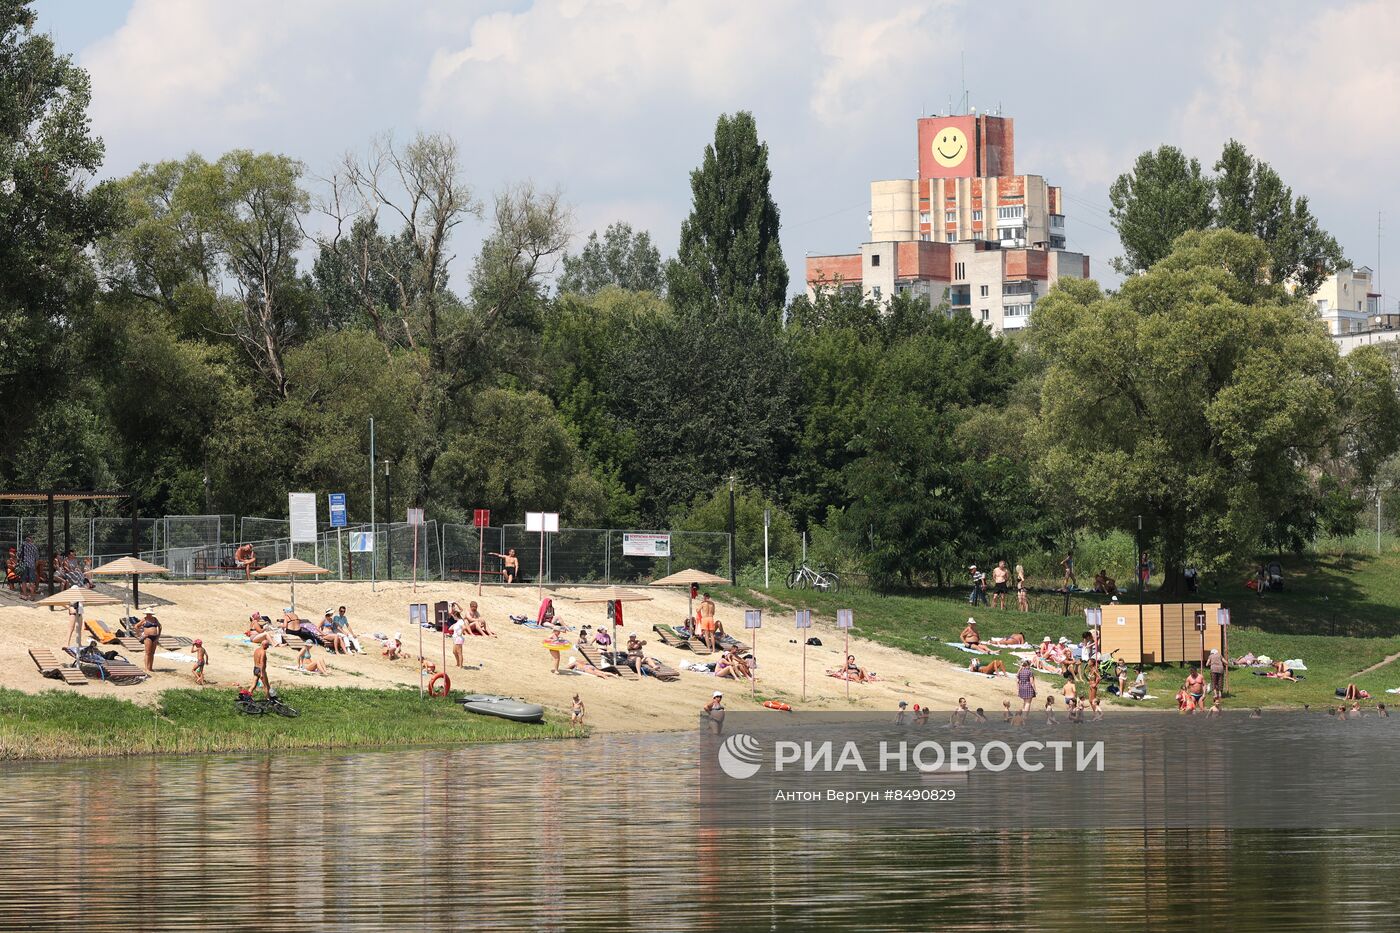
x=986, y=315
x=875, y=259
x=875, y=292
x=976, y=215
x=1011, y=213
x=959, y=270
x=1322, y=305
x=950, y=216
x=984, y=291
x=1017, y=311
x=952, y=238
x=923, y=217
x=925, y=237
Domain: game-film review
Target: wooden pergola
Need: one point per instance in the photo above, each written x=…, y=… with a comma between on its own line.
x=68, y=497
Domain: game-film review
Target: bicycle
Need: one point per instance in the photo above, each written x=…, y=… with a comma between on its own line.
x=804, y=576
x=273, y=704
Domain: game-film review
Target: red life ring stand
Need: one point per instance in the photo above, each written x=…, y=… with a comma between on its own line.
x=435, y=681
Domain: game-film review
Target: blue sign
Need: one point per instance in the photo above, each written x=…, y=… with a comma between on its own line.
x=338, y=519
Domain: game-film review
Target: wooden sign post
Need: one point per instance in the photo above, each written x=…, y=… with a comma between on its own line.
x=804, y=622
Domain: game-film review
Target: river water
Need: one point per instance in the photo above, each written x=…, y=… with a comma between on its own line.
x=605, y=834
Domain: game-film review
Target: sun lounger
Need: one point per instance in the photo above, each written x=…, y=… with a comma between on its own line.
x=669, y=636
x=118, y=670
x=50, y=665
x=729, y=641
x=663, y=671
x=134, y=645
x=101, y=631
x=595, y=657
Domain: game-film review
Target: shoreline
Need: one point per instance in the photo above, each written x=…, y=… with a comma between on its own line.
x=58, y=726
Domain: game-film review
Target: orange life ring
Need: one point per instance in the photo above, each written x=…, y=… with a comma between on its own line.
x=433, y=683
x=775, y=704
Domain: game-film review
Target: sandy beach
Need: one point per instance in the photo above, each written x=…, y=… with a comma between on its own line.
x=515, y=663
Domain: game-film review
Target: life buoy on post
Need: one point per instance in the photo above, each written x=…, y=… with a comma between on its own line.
x=439, y=680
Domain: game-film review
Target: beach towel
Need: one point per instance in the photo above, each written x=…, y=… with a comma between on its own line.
x=175, y=656
x=1129, y=696
x=979, y=673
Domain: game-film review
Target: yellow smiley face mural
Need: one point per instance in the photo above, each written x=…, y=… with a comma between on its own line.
x=949, y=147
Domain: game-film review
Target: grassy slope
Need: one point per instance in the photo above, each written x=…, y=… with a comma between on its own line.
x=63, y=724
x=1355, y=596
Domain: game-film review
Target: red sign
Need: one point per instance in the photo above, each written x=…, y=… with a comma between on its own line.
x=481, y=518
x=947, y=147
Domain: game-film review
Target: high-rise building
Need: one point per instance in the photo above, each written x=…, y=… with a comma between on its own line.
x=968, y=230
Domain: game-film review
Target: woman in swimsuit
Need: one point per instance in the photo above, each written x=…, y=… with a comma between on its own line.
x=712, y=713
x=586, y=668
x=305, y=662
x=150, y=637
x=854, y=671
x=991, y=667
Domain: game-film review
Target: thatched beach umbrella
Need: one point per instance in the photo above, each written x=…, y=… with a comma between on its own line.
x=76, y=595
x=128, y=567
x=615, y=594
x=687, y=578
x=291, y=568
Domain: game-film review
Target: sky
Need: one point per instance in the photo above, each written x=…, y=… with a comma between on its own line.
x=613, y=101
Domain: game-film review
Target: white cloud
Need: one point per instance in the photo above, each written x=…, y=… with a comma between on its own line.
x=1319, y=100
x=866, y=54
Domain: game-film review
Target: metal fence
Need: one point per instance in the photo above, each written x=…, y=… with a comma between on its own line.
x=201, y=547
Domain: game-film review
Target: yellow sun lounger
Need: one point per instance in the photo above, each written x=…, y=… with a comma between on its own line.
x=99, y=630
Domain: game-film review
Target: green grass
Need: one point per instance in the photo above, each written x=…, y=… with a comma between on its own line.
x=1339, y=612
x=66, y=724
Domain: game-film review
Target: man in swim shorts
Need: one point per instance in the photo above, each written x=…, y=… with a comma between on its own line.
x=260, y=670
x=706, y=614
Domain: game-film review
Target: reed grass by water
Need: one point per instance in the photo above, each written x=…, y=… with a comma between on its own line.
x=62, y=724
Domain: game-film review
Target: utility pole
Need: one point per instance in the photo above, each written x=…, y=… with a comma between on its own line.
x=388, y=526
x=733, y=572
x=373, y=562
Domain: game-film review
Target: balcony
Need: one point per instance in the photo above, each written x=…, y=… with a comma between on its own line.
x=960, y=297
x=1057, y=221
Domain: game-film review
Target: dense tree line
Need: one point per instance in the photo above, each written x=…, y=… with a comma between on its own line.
x=210, y=333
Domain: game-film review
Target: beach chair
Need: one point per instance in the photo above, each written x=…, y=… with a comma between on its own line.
x=167, y=642
x=729, y=641
x=101, y=631
x=51, y=665
x=118, y=670
x=664, y=672
x=593, y=656
x=672, y=638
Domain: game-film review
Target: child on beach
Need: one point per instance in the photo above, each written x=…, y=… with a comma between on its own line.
x=576, y=712
x=1050, y=709
x=201, y=658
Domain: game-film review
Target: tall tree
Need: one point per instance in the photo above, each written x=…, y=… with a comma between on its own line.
x=1164, y=196
x=622, y=259
x=729, y=258
x=1251, y=198
x=50, y=218
x=1212, y=403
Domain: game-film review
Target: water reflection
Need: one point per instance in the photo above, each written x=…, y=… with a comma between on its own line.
x=602, y=835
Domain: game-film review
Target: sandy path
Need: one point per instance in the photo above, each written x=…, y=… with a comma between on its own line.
x=515, y=663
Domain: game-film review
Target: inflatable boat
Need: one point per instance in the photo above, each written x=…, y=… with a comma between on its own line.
x=504, y=707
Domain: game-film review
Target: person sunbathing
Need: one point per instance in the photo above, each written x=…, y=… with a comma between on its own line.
x=853, y=671
x=1015, y=638
x=991, y=667
x=309, y=664
x=730, y=666
x=330, y=637
x=583, y=667
x=969, y=635
x=1281, y=672
x=476, y=625
x=1353, y=692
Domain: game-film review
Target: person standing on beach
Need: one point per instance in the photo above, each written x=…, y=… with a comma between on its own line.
x=1216, y=663
x=712, y=713
x=979, y=586
x=1068, y=564
x=706, y=615
x=576, y=712
x=149, y=631
x=458, y=628
x=1000, y=578
x=28, y=568
x=201, y=658
x=510, y=565
x=1022, y=601
x=1025, y=686
x=260, y=670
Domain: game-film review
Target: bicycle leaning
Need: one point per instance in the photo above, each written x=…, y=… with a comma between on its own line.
x=802, y=576
x=250, y=706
